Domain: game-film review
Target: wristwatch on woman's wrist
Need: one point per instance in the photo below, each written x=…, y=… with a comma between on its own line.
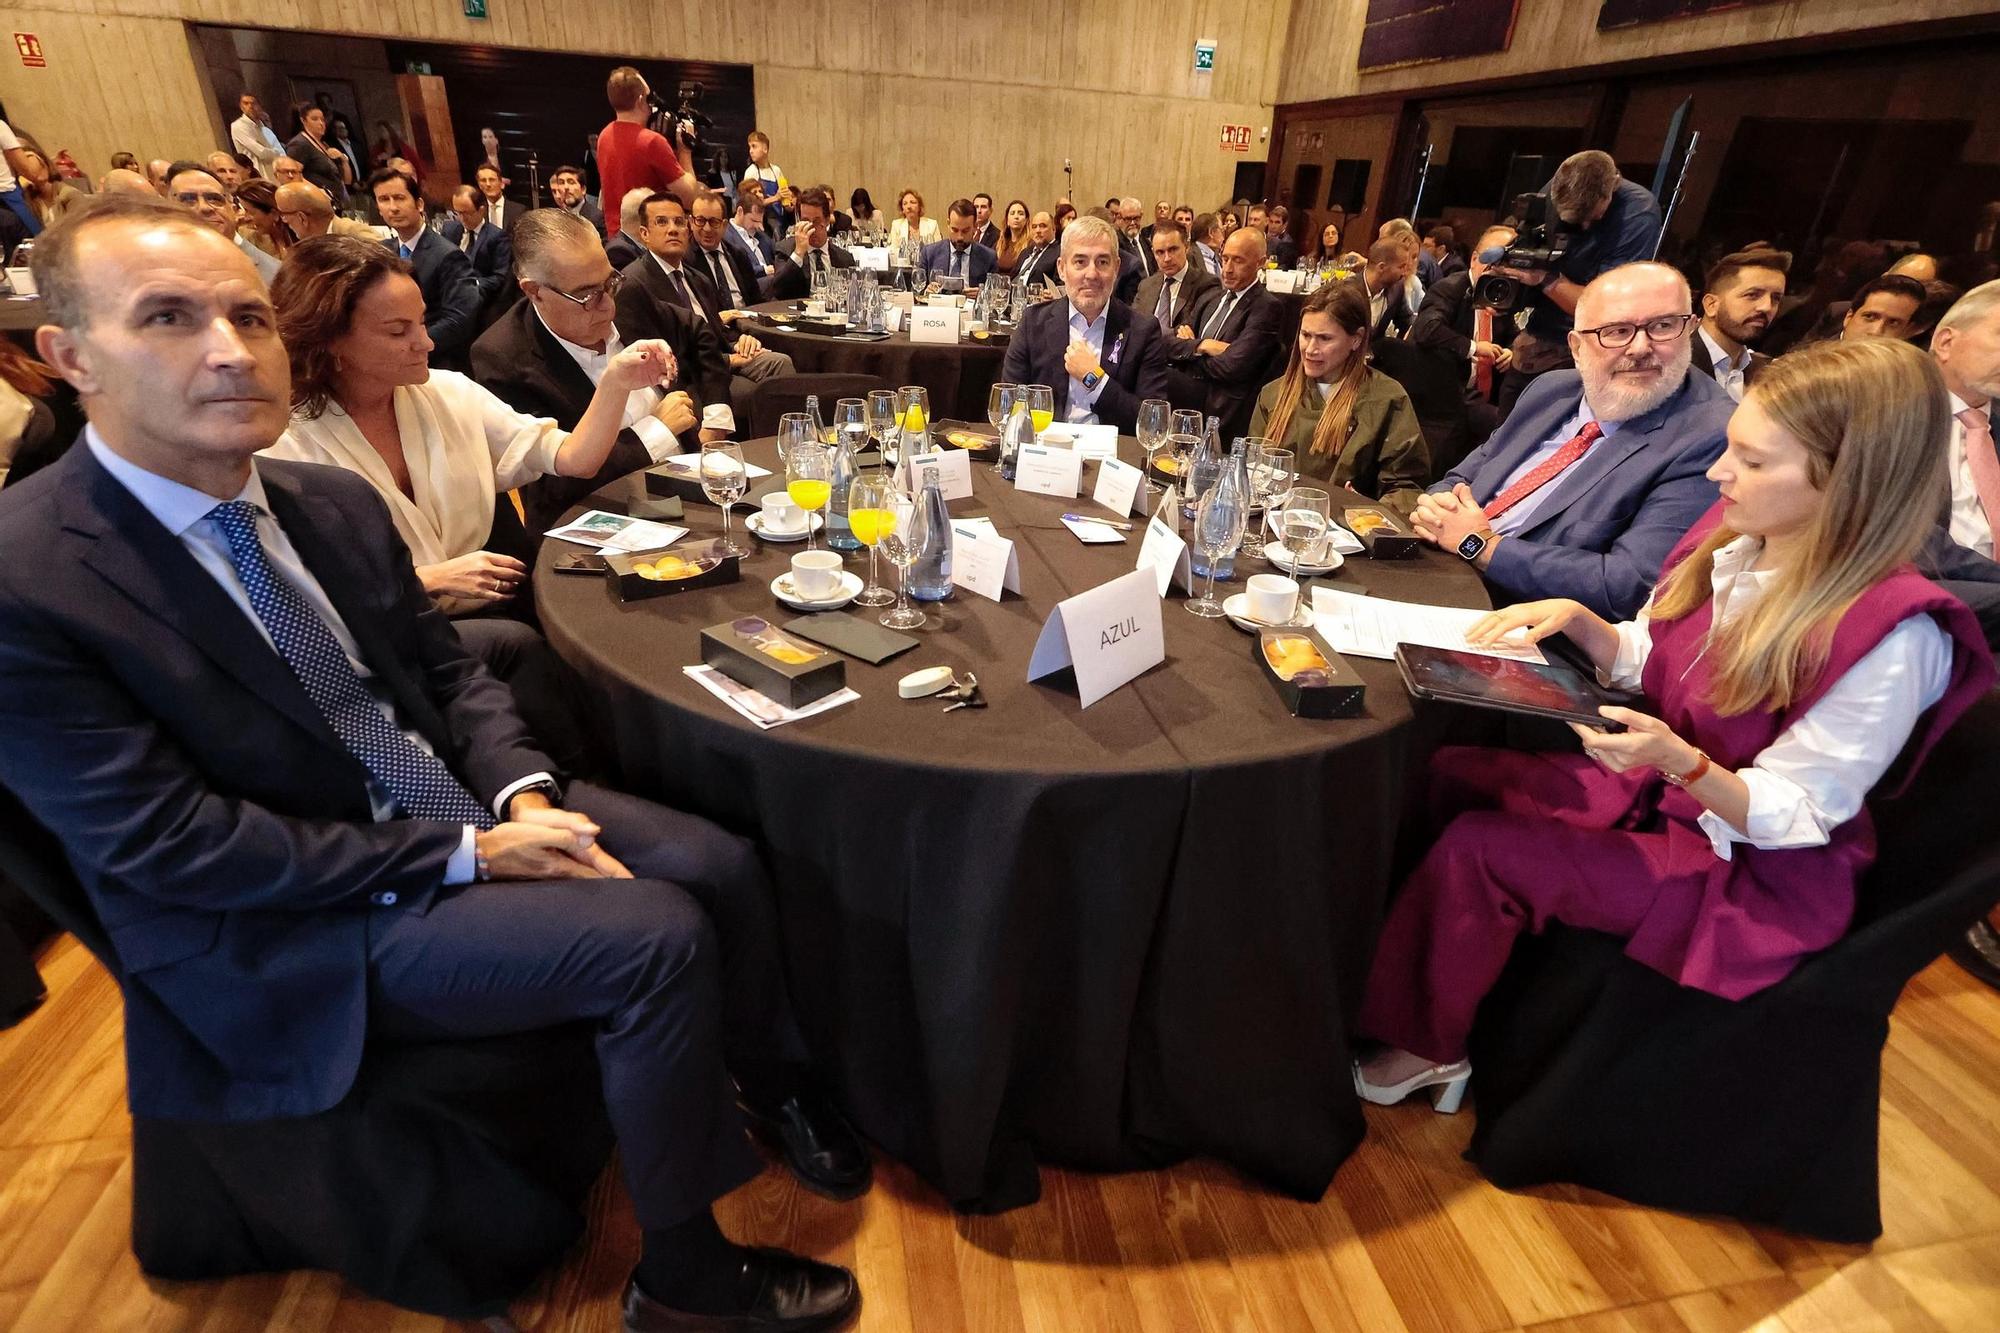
x=1693, y=775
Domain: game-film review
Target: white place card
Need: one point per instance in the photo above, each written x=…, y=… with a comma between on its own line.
x=874, y=257
x=954, y=469
x=1117, y=486
x=1047, y=471
x=1091, y=532
x=1167, y=555
x=933, y=324
x=1110, y=634
x=1279, y=280
x=1094, y=441
x=983, y=561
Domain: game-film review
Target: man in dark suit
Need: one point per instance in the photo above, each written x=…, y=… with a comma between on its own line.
x=1740, y=297
x=982, y=212
x=546, y=355
x=1101, y=358
x=444, y=275
x=813, y=249
x=1598, y=471
x=1171, y=294
x=566, y=188
x=307, y=817
x=501, y=211
x=727, y=267
x=960, y=255
x=1126, y=219
x=1470, y=338
x=1041, y=262
x=747, y=235
x=487, y=247
x=1284, y=251
x=1221, y=356
x=664, y=276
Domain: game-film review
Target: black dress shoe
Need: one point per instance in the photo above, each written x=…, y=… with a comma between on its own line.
x=817, y=1143
x=777, y=1293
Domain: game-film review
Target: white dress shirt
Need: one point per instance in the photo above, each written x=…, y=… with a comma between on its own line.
x=1082, y=401
x=714, y=416
x=1815, y=776
x=184, y=513
x=640, y=404
x=257, y=141
x=1170, y=294
x=730, y=287
x=753, y=242
x=1969, y=526
x=1522, y=515
x=1729, y=371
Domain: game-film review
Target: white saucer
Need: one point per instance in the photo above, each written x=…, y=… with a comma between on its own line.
x=850, y=588
x=1237, y=607
x=1279, y=556
x=756, y=525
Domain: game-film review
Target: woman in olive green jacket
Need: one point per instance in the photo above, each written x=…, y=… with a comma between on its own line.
x=1346, y=423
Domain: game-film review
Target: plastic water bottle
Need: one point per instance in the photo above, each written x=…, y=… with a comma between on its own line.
x=1019, y=431
x=930, y=536
x=839, y=532
x=1232, y=487
x=819, y=422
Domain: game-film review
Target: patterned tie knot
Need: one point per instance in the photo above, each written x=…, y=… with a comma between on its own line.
x=238, y=521
x=1975, y=422
x=1590, y=434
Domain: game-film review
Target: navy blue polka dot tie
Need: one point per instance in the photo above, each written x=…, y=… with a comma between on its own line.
x=419, y=783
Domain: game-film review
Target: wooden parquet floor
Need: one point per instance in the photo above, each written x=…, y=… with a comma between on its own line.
x=1409, y=1238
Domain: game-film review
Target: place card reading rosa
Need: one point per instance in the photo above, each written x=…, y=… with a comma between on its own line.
x=782, y=667
x=662, y=573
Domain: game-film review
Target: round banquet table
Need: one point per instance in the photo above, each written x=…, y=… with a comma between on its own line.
x=1110, y=937
x=958, y=376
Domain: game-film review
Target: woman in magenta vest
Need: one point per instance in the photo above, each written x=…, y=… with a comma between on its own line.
x=1789, y=654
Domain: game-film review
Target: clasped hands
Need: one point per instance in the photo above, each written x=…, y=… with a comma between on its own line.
x=1448, y=517
x=539, y=841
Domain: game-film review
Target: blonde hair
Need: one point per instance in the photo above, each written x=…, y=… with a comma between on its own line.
x=1346, y=304
x=1876, y=425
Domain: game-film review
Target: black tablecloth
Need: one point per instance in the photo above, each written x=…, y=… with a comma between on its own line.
x=1108, y=937
x=958, y=377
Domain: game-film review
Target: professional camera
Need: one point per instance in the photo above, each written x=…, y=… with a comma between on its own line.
x=685, y=121
x=1539, y=245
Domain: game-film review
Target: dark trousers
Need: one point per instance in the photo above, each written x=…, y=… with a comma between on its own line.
x=543, y=686
x=678, y=968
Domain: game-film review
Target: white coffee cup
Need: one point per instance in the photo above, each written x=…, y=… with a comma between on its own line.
x=816, y=307
x=1057, y=437
x=816, y=574
x=1274, y=599
x=782, y=513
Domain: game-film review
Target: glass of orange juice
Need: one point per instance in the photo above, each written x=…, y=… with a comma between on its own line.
x=809, y=479
x=871, y=512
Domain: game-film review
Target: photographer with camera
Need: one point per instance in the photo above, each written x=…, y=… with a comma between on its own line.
x=1600, y=220
x=633, y=156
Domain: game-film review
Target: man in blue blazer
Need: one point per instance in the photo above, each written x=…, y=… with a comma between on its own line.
x=1584, y=489
x=443, y=274
x=490, y=250
x=304, y=814
x=1101, y=359
x=960, y=255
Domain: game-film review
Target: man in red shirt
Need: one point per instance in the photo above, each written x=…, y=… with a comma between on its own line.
x=632, y=157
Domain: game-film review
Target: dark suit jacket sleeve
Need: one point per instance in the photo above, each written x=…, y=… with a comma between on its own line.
x=1615, y=583
x=499, y=255
x=1181, y=349
x=1966, y=575
x=1250, y=351
x=1436, y=326
x=1018, y=367
x=1119, y=405
x=453, y=318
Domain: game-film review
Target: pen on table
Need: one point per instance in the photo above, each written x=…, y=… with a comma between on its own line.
x=1107, y=522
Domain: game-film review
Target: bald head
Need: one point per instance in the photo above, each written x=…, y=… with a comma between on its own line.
x=156, y=172
x=1920, y=266
x=1242, y=256
x=305, y=208
x=1633, y=292
x=122, y=181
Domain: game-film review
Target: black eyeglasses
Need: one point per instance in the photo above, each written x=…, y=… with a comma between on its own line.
x=194, y=199
x=1664, y=329
x=604, y=291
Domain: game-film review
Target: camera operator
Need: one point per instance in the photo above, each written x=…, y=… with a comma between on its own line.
x=631, y=156
x=1608, y=221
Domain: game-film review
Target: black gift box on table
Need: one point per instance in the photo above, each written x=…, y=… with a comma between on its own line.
x=1312, y=679
x=645, y=574
x=782, y=667
x=1384, y=537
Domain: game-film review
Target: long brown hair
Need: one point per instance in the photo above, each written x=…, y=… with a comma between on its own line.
x=1011, y=245
x=1346, y=304
x=261, y=195
x=315, y=292
x=1876, y=425
x=23, y=371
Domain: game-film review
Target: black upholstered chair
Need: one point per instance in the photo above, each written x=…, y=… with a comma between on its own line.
x=772, y=398
x=1593, y=1069
x=446, y=1181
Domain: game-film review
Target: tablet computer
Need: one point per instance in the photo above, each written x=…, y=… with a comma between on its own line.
x=1507, y=684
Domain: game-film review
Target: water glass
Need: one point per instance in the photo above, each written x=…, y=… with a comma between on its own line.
x=723, y=481
x=850, y=423
x=1219, y=523
x=1271, y=476
x=1304, y=526
x=1155, y=424
x=882, y=417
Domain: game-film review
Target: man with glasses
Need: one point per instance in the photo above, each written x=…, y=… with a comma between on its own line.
x=304, y=208
x=727, y=267
x=813, y=251
x=443, y=273
x=1599, y=470
x=194, y=187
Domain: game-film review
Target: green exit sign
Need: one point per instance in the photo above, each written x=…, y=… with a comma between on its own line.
x=475, y=9
x=1204, y=56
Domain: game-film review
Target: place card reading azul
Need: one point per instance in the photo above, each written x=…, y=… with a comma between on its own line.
x=1110, y=634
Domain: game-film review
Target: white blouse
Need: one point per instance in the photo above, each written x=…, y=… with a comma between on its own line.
x=463, y=446
x=1815, y=776
x=899, y=231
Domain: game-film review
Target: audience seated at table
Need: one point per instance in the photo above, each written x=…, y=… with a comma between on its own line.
x=910, y=221
x=548, y=354
x=1599, y=470
x=1100, y=357
x=1326, y=251
x=1218, y=359
x=1346, y=423
x=748, y=236
x=660, y=277
x=861, y=206
x=1741, y=295
x=1283, y=250
x=567, y=190
x=1041, y=261
x=1177, y=286
x=812, y=248
x=960, y=255
x=1886, y=307
x=624, y=247
x=308, y=819
x=738, y=286
x=1473, y=339
x=1386, y=276
x=443, y=273
x=1789, y=653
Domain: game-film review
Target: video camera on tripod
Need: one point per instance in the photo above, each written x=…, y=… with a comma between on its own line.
x=1540, y=242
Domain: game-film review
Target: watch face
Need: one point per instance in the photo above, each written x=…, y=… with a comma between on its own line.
x=1471, y=545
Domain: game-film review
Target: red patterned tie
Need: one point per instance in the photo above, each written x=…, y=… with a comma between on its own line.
x=1545, y=471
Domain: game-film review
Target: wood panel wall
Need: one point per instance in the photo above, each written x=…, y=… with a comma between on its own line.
x=949, y=97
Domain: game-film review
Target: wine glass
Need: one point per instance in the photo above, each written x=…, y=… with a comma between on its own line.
x=999, y=402
x=794, y=428
x=1188, y=422
x=1041, y=406
x=1270, y=477
x=1218, y=530
x=902, y=554
x=920, y=280
x=809, y=477
x=882, y=417
x=913, y=419
x=850, y=423
x=1155, y=424
x=723, y=481
x=1304, y=527
x=872, y=516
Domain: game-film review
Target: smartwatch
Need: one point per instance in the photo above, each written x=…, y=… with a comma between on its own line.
x=1474, y=543
x=546, y=788
x=1093, y=379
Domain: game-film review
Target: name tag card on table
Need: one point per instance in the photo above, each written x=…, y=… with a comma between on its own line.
x=1117, y=486
x=874, y=257
x=1110, y=634
x=1093, y=441
x=1278, y=280
x=1165, y=553
x=983, y=561
x=933, y=324
x=1046, y=471
x=954, y=469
